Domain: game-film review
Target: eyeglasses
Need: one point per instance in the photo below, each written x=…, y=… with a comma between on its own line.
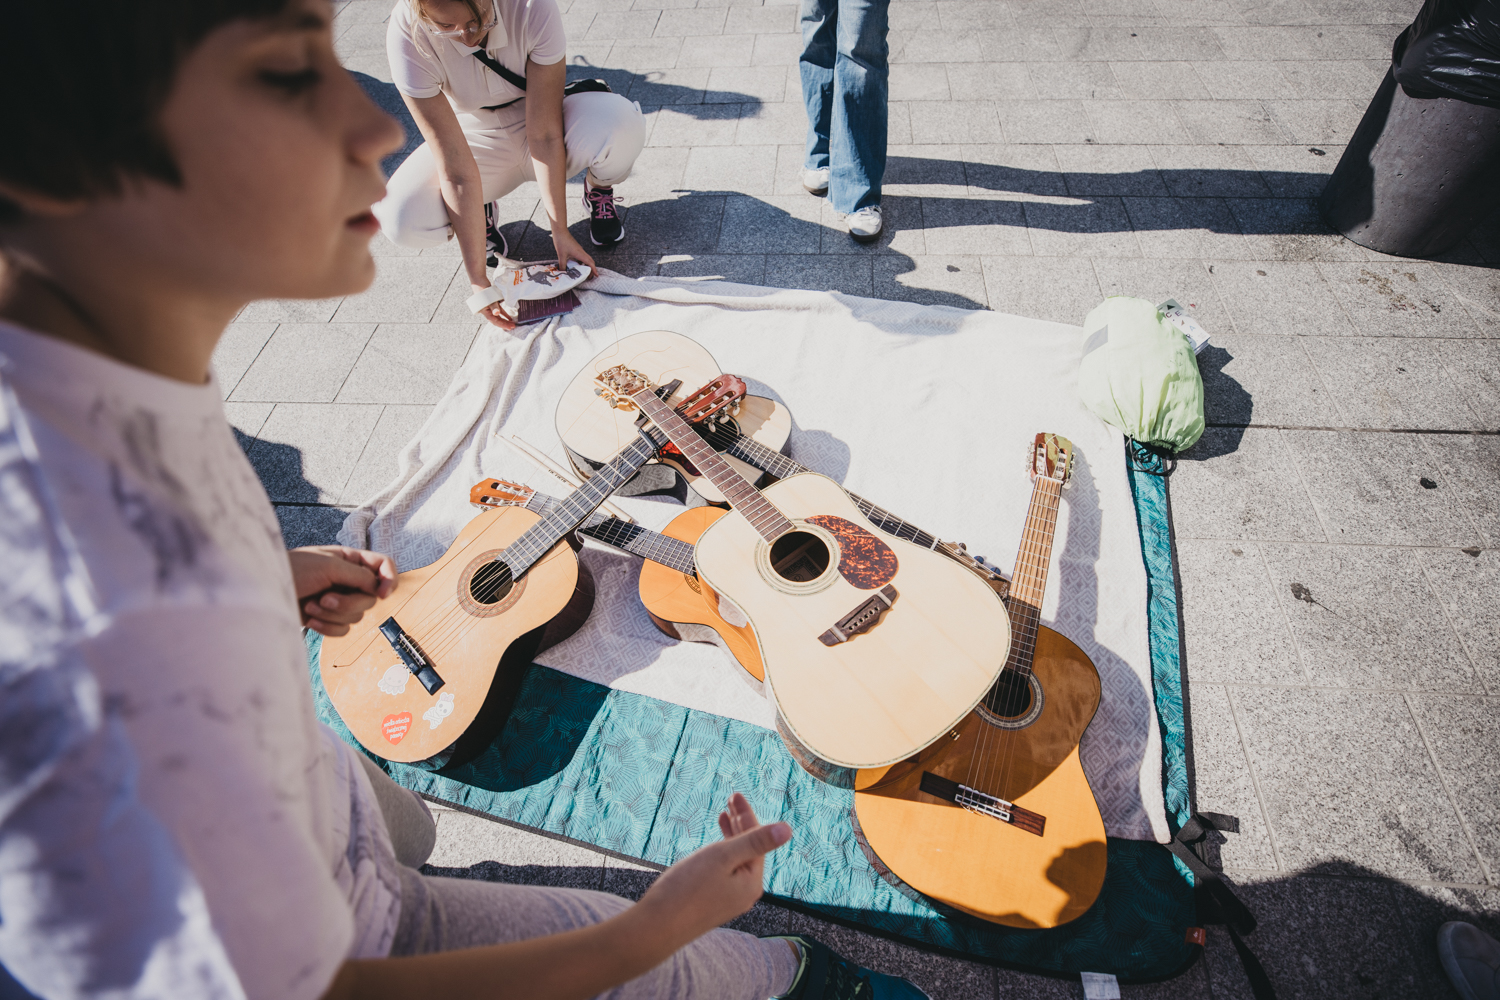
x=472, y=28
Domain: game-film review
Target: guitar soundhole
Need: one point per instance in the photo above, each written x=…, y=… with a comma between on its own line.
x=491, y=583
x=799, y=556
x=1014, y=702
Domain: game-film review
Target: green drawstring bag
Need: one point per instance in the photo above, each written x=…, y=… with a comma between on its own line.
x=1139, y=374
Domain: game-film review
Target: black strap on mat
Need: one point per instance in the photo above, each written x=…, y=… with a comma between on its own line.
x=1217, y=903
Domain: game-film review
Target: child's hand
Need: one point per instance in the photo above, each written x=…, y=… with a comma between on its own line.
x=721, y=881
x=336, y=585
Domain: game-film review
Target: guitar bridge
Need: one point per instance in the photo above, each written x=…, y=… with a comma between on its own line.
x=411, y=654
x=983, y=803
x=862, y=618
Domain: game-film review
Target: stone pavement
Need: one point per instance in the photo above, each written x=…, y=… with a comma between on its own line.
x=1338, y=527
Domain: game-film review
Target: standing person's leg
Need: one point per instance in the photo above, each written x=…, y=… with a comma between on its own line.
x=860, y=109
x=819, y=52
x=440, y=914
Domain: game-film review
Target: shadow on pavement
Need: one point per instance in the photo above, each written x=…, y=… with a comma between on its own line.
x=304, y=520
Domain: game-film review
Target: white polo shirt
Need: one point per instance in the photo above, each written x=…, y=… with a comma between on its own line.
x=424, y=65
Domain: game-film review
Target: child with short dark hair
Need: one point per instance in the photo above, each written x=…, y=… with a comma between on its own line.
x=173, y=820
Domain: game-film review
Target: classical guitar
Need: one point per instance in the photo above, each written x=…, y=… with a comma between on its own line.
x=750, y=442
x=873, y=647
x=593, y=434
x=678, y=601
x=999, y=821
x=432, y=671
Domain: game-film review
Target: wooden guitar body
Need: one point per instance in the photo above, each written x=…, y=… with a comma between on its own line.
x=480, y=651
x=965, y=859
x=859, y=683
x=675, y=599
x=596, y=433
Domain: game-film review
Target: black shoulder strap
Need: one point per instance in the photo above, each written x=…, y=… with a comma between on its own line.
x=514, y=79
x=1217, y=904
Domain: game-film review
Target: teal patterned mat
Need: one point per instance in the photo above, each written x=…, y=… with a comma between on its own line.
x=645, y=778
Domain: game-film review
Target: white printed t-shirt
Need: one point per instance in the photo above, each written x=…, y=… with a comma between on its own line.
x=173, y=820
x=424, y=65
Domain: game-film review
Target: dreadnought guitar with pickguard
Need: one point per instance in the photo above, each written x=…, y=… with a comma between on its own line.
x=750, y=441
x=676, y=598
x=432, y=671
x=873, y=647
x=999, y=820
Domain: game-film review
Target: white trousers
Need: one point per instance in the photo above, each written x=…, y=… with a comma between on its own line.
x=601, y=132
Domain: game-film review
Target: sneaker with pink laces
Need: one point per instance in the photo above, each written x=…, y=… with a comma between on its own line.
x=605, y=227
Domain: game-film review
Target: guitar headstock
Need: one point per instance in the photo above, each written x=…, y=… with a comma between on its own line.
x=500, y=493
x=616, y=385
x=1050, y=456
x=716, y=400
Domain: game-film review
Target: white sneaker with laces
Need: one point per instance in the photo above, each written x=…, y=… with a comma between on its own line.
x=866, y=224
x=816, y=181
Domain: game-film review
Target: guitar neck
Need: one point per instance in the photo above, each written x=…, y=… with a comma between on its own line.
x=769, y=522
x=747, y=449
x=1029, y=582
x=632, y=538
x=573, y=510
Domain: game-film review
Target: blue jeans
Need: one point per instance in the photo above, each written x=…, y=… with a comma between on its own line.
x=845, y=82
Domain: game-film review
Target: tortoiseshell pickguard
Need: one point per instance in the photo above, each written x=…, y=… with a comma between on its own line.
x=867, y=562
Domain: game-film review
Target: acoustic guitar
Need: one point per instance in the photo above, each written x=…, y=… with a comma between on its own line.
x=676, y=598
x=432, y=671
x=751, y=442
x=593, y=434
x=873, y=647
x=998, y=820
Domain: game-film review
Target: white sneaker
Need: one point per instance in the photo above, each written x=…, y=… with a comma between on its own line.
x=866, y=224
x=816, y=181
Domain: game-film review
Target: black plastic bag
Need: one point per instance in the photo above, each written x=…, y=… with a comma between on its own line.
x=1452, y=49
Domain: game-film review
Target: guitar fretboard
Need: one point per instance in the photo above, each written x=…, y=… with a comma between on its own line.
x=632, y=538
x=573, y=510
x=763, y=516
x=1029, y=583
x=745, y=448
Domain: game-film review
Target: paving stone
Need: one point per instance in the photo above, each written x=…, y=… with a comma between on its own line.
x=1098, y=229
x=1032, y=39
x=789, y=159
x=1222, y=779
x=744, y=84
x=1318, y=937
x=1234, y=80
x=493, y=852
x=696, y=125
x=1469, y=466
x=1268, y=381
x=306, y=451
x=658, y=170
x=671, y=86
x=1077, y=80
x=237, y=349
x=1290, y=229
x=409, y=362
x=1097, y=169
x=1058, y=289
x=1159, y=81
x=618, y=24
x=1237, y=122
x=304, y=362
x=774, y=224
x=376, y=467
x=965, y=226
x=1240, y=483
x=745, y=268
x=937, y=46
x=1194, y=228
x=777, y=50
x=919, y=82
x=1234, y=627
x=903, y=231
x=637, y=55
x=749, y=170
x=950, y=122
x=700, y=21
x=1006, y=81
x=1187, y=281
x=1396, y=382
x=911, y=16
x=1405, y=299
x=1366, y=616
x=1368, y=490
x=940, y=280
x=689, y=224
x=924, y=170
x=1013, y=169
x=406, y=290
x=721, y=50
x=1476, y=288
x=934, y=975
x=1082, y=44
x=1288, y=298
x=772, y=124
x=311, y=524
x=1354, y=79
x=1295, y=171
x=1425, y=908
x=1126, y=122
x=1045, y=121
x=828, y=272
x=289, y=311
x=758, y=20
x=1208, y=171
x=1349, y=787
x=247, y=419
x=1464, y=736
x=1306, y=121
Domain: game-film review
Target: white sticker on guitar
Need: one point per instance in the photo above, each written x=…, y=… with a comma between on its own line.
x=393, y=681
x=437, y=713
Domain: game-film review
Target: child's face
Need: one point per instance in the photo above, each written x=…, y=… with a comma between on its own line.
x=279, y=152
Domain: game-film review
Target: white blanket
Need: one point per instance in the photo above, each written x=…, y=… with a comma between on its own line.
x=925, y=410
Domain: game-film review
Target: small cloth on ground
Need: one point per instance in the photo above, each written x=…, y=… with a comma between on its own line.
x=538, y=281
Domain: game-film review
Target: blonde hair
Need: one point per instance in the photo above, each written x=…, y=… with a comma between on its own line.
x=418, y=8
